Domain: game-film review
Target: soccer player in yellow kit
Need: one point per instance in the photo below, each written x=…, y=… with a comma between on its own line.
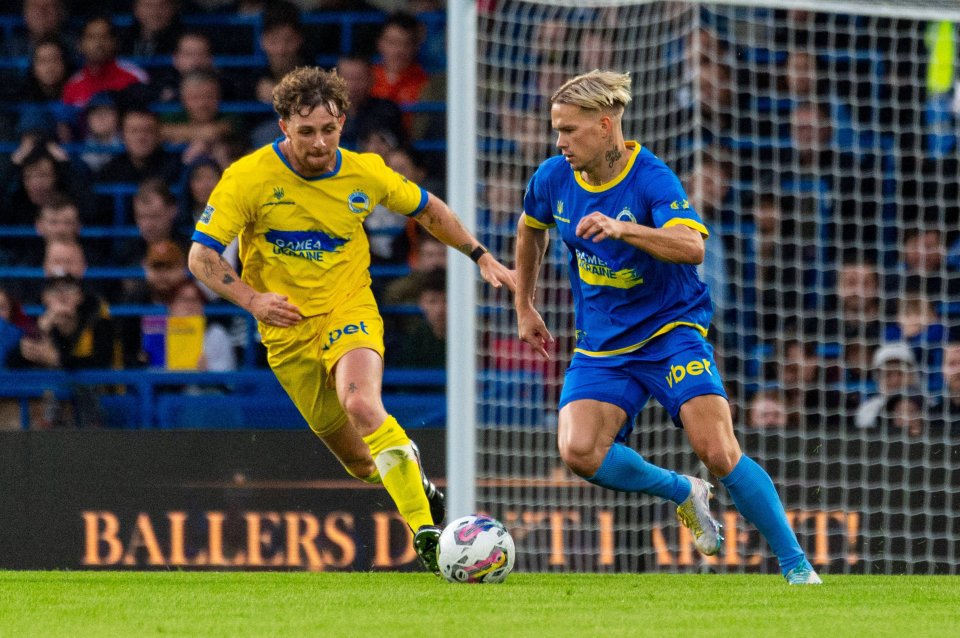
x=298, y=206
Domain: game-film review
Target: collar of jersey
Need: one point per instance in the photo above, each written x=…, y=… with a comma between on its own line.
x=616, y=180
x=336, y=167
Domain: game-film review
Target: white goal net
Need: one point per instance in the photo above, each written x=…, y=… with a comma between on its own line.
x=818, y=141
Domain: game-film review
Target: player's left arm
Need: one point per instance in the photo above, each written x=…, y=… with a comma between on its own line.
x=441, y=222
x=676, y=243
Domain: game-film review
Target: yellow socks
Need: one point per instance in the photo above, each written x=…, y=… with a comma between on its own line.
x=399, y=472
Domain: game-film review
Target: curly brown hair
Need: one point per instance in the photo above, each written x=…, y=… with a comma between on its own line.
x=307, y=87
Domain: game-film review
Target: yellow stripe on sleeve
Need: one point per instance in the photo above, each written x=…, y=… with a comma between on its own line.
x=683, y=221
x=535, y=223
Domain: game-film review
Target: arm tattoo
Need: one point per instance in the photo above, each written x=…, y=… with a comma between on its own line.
x=466, y=249
x=352, y=388
x=227, y=277
x=612, y=156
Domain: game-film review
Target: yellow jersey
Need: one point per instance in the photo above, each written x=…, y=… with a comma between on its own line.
x=300, y=236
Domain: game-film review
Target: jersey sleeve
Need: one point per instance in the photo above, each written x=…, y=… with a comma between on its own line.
x=226, y=214
x=669, y=204
x=400, y=194
x=537, y=212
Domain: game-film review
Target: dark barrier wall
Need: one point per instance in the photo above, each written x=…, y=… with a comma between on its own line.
x=194, y=499
x=101, y=499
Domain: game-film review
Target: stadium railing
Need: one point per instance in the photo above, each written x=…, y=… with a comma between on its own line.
x=251, y=398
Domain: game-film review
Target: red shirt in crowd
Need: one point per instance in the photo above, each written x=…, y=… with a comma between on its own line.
x=405, y=90
x=113, y=76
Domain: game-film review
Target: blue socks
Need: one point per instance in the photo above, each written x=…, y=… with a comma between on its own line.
x=625, y=470
x=757, y=500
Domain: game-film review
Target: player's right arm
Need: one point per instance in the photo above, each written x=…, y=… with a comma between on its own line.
x=228, y=211
x=210, y=268
x=531, y=247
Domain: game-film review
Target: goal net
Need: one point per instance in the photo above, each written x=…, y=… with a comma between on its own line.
x=818, y=142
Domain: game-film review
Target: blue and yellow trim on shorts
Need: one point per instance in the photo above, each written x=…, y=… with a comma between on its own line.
x=661, y=331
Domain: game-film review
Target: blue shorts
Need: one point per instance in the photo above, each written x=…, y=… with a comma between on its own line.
x=673, y=368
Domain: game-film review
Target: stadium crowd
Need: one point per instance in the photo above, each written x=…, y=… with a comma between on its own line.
x=826, y=173
x=116, y=123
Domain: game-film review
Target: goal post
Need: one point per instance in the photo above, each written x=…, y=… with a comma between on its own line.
x=818, y=141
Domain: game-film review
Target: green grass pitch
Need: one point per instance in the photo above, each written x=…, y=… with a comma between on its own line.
x=383, y=605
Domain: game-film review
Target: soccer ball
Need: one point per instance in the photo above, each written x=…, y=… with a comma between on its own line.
x=476, y=549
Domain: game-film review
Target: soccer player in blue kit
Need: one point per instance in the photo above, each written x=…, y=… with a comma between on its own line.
x=642, y=314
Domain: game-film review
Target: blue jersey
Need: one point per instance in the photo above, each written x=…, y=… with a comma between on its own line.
x=623, y=296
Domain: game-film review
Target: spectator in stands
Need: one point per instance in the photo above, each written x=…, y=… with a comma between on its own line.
x=41, y=19
x=39, y=169
x=895, y=373
x=64, y=258
x=802, y=80
x=398, y=76
x=919, y=327
x=854, y=318
x=101, y=131
x=14, y=325
x=155, y=211
x=379, y=141
x=710, y=193
x=199, y=178
x=155, y=28
x=57, y=222
x=498, y=212
x=50, y=66
x=199, y=123
x=164, y=269
x=923, y=266
x=101, y=70
x=945, y=408
x=193, y=52
x=74, y=330
x=780, y=252
x=806, y=384
x=283, y=43
x=767, y=411
x=708, y=70
x=366, y=112
x=387, y=244
x=844, y=185
x=423, y=342
x=143, y=156
x=219, y=354
x=427, y=254
x=596, y=50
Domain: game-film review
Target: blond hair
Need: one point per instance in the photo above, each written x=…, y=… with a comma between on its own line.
x=595, y=91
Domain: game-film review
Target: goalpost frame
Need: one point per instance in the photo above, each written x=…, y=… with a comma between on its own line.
x=461, y=185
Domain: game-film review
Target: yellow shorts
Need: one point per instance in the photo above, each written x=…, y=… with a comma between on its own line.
x=304, y=355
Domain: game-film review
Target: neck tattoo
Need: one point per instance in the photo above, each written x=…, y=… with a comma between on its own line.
x=612, y=156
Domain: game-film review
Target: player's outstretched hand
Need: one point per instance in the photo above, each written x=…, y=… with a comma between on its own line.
x=496, y=274
x=597, y=226
x=533, y=331
x=274, y=310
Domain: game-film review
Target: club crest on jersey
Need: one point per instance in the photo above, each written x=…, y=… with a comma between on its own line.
x=358, y=202
x=206, y=214
x=277, y=200
x=626, y=215
x=680, y=205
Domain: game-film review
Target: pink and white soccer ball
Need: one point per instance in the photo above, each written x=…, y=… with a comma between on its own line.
x=476, y=549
